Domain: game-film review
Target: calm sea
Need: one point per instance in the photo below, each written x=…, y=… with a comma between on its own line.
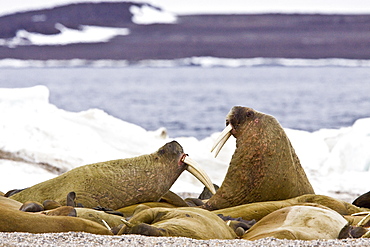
x=193, y=101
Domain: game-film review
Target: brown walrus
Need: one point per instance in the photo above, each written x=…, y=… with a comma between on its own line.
x=179, y=222
x=14, y=220
x=258, y=210
x=298, y=222
x=264, y=166
x=18, y=221
x=118, y=183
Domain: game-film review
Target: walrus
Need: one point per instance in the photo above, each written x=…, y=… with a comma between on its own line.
x=13, y=220
x=258, y=210
x=100, y=217
x=188, y=222
x=119, y=183
x=363, y=200
x=298, y=222
x=264, y=166
x=9, y=203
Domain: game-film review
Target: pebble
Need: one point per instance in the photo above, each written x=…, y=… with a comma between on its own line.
x=74, y=239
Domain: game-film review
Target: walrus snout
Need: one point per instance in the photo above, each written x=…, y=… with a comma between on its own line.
x=239, y=119
x=236, y=122
x=238, y=116
x=186, y=163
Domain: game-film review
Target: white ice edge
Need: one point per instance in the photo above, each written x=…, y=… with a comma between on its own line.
x=204, y=62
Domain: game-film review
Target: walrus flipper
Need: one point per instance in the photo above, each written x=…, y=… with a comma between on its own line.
x=147, y=230
x=362, y=201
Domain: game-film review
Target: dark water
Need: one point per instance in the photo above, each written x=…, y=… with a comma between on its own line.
x=193, y=101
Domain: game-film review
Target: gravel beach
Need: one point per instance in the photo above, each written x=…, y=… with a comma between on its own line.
x=86, y=239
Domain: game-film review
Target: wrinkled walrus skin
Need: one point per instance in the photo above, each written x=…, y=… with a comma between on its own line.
x=114, y=184
x=188, y=222
x=298, y=222
x=264, y=166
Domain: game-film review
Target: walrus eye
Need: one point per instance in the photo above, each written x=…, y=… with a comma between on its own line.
x=250, y=114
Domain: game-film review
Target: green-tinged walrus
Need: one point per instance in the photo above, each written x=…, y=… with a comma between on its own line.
x=264, y=166
x=100, y=217
x=9, y=203
x=179, y=222
x=13, y=220
x=258, y=210
x=118, y=183
x=298, y=222
x=130, y=210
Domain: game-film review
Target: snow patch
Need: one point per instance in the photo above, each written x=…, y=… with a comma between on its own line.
x=86, y=34
x=145, y=15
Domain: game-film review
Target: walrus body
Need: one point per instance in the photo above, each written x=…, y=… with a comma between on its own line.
x=298, y=222
x=114, y=184
x=264, y=166
x=179, y=222
x=9, y=203
x=12, y=220
x=258, y=210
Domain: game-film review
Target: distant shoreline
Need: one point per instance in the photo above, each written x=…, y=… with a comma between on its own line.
x=204, y=62
x=307, y=36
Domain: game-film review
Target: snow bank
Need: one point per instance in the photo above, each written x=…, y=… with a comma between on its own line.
x=39, y=136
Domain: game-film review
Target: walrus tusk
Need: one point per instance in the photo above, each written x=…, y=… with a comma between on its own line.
x=106, y=225
x=128, y=224
x=364, y=221
x=198, y=172
x=361, y=213
x=221, y=140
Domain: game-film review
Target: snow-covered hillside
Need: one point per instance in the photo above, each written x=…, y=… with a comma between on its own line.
x=190, y=7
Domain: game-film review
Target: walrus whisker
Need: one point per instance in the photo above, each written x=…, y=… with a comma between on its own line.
x=221, y=140
x=106, y=225
x=127, y=223
x=194, y=168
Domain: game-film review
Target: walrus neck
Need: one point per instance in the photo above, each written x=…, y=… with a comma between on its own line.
x=240, y=169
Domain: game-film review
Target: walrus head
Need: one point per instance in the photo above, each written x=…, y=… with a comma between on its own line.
x=186, y=163
x=264, y=166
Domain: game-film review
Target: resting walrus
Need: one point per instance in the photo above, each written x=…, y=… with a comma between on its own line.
x=264, y=166
x=118, y=183
x=258, y=210
x=14, y=220
x=178, y=222
x=298, y=222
